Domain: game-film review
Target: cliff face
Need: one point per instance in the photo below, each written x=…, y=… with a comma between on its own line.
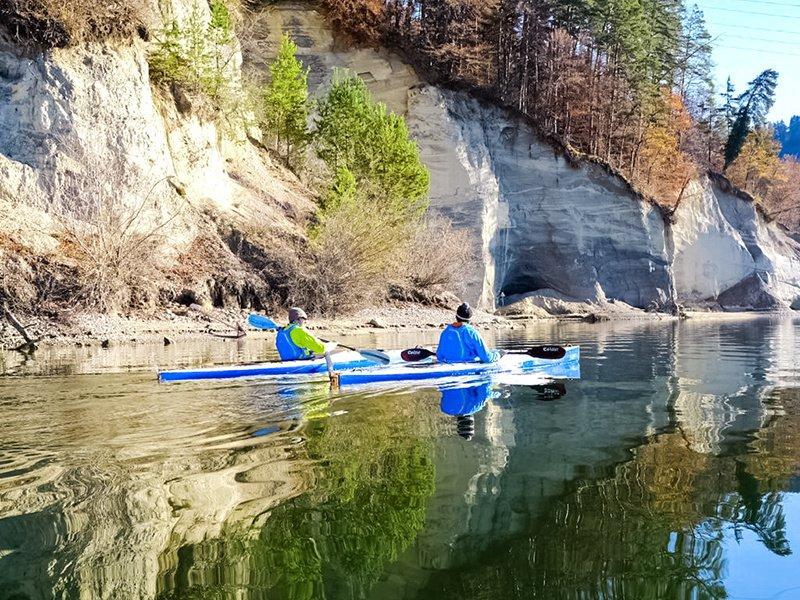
x=88, y=145
x=542, y=223
x=726, y=251
x=83, y=128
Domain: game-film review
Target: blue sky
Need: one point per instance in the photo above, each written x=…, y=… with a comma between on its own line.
x=752, y=35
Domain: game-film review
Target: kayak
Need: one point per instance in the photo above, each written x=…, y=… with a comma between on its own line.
x=508, y=364
x=342, y=361
x=355, y=369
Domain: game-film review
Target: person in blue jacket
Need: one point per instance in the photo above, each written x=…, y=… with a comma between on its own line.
x=460, y=341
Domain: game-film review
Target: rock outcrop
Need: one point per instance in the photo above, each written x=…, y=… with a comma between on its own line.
x=726, y=251
x=88, y=144
x=540, y=220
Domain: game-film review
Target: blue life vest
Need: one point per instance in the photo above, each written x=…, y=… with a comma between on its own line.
x=287, y=349
x=461, y=342
x=465, y=401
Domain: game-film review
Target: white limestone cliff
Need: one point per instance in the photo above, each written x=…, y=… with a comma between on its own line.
x=541, y=223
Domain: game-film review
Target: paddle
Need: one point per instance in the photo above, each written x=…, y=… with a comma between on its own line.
x=544, y=352
x=240, y=333
x=264, y=322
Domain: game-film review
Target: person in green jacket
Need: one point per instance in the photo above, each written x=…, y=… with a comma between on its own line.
x=296, y=343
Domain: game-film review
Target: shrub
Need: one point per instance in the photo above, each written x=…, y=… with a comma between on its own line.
x=61, y=23
x=116, y=253
x=356, y=256
x=196, y=54
x=437, y=255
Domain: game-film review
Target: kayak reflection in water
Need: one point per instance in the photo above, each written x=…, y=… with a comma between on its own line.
x=463, y=403
x=550, y=391
x=294, y=342
x=461, y=342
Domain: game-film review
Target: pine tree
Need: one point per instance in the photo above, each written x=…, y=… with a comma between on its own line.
x=754, y=104
x=361, y=136
x=789, y=136
x=729, y=108
x=286, y=103
x=694, y=65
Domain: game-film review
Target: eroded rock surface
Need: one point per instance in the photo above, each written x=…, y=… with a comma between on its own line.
x=538, y=221
x=725, y=250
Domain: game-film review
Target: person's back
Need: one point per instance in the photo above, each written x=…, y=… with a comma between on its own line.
x=460, y=341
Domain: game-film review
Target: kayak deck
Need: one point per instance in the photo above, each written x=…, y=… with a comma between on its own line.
x=510, y=363
x=342, y=361
x=355, y=369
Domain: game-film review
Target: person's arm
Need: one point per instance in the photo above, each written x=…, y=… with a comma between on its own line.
x=307, y=341
x=484, y=354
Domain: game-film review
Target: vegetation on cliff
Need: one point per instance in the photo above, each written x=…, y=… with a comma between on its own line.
x=373, y=206
x=628, y=81
x=42, y=24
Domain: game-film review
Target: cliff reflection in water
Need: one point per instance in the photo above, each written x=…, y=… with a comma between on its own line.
x=666, y=471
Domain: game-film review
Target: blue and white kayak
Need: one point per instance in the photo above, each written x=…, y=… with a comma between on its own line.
x=342, y=361
x=355, y=369
x=568, y=367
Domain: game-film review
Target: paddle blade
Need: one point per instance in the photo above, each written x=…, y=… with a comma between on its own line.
x=416, y=354
x=376, y=356
x=262, y=322
x=547, y=352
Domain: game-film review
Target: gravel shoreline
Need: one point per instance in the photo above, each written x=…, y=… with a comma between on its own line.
x=181, y=323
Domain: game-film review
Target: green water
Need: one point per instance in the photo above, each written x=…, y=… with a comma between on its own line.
x=671, y=469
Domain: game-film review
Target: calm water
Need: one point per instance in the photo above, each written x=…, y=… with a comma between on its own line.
x=671, y=469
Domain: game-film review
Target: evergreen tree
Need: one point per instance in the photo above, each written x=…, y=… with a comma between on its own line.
x=694, y=65
x=286, y=105
x=754, y=104
x=789, y=136
x=361, y=136
x=729, y=108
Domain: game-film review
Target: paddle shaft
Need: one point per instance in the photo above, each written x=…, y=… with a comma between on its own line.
x=541, y=352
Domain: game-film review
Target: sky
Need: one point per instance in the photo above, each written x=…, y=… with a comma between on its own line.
x=749, y=36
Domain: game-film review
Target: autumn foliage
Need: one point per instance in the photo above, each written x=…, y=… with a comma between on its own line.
x=623, y=80
x=773, y=181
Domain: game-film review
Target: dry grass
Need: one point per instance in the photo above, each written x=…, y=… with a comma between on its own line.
x=61, y=23
x=437, y=255
x=117, y=251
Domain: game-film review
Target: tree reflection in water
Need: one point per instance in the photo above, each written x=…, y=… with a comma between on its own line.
x=655, y=529
x=373, y=478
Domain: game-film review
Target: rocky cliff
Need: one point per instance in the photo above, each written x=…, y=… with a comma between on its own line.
x=83, y=127
x=547, y=223
x=94, y=155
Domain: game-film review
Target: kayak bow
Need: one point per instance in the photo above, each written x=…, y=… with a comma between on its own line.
x=510, y=363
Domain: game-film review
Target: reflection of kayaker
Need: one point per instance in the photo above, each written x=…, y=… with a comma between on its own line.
x=461, y=342
x=463, y=402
